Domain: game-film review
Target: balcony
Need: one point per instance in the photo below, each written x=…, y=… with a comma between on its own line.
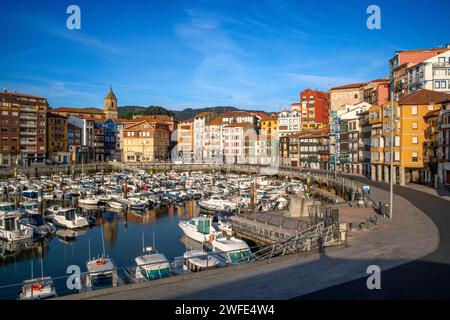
x=27, y=117
x=441, y=64
x=28, y=133
x=27, y=125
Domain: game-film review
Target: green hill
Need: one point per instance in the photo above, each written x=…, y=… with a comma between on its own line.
x=128, y=112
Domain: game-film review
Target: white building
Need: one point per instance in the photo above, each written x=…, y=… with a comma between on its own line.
x=431, y=74
x=200, y=121
x=289, y=122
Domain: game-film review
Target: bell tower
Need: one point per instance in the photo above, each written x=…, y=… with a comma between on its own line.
x=110, y=105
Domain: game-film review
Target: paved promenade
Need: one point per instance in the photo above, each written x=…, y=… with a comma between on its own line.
x=409, y=236
x=424, y=278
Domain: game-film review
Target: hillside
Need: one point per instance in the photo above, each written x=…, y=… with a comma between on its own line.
x=127, y=112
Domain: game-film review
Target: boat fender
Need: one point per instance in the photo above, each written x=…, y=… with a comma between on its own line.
x=37, y=286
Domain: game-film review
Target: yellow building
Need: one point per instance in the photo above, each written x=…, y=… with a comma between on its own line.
x=376, y=142
x=269, y=125
x=145, y=142
x=410, y=163
x=185, y=139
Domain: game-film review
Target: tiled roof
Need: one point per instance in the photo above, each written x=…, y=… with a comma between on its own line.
x=350, y=86
x=424, y=97
x=433, y=113
x=204, y=114
x=14, y=94
x=216, y=121
x=239, y=124
x=78, y=110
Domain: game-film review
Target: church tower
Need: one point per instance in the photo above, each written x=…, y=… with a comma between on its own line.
x=110, y=106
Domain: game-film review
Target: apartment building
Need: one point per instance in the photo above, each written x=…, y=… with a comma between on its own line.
x=57, y=138
x=444, y=144
x=365, y=136
x=74, y=142
x=376, y=92
x=289, y=122
x=239, y=141
x=314, y=109
x=431, y=74
x=185, y=140
x=23, y=124
x=431, y=146
x=146, y=142
x=200, y=120
x=376, y=142
x=404, y=60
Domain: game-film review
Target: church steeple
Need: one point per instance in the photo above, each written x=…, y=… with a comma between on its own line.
x=110, y=105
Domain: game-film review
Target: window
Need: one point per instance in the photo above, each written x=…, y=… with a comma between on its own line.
x=414, y=110
x=414, y=157
x=415, y=140
x=414, y=125
x=437, y=84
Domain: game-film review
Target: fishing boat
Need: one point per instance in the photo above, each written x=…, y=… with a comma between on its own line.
x=232, y=250
x=10, y=228
x=199, y=228
x=67, y=218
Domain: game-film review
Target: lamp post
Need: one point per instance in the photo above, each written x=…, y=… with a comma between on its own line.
x=391, y=155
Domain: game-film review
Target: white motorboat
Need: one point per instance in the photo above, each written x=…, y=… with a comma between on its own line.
x=92, y=201
x=10, y=228
x=233, y=250
x=218, y=203
x=67, y=218
x=37, y=289
x=115, y=204
x=199, y=228
x=196, y=260
x=152, y=265
x=101, y=273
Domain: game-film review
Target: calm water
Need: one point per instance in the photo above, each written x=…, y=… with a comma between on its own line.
x=122, y=238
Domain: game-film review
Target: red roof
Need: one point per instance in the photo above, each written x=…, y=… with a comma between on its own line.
x=423, y=96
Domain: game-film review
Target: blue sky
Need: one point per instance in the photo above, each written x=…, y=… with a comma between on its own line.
x=249, y=54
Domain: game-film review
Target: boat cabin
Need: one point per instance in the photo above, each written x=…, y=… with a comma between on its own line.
x=152, y=266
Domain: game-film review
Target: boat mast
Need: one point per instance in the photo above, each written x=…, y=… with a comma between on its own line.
x=42, y=263
x=103, y=239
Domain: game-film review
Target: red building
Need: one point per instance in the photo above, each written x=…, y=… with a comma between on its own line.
x=314, y=107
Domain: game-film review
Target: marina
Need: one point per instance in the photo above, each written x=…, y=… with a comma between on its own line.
x=99, y=223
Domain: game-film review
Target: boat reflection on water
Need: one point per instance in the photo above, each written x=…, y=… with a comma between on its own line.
x=10, y=249
x=68, y=236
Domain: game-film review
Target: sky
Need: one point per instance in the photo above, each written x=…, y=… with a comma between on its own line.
x=178, y=54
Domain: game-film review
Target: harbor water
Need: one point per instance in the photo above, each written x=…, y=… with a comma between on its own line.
x=122, y=238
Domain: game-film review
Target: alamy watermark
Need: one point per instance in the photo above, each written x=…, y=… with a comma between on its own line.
x=374, y=20
x=73, y=22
